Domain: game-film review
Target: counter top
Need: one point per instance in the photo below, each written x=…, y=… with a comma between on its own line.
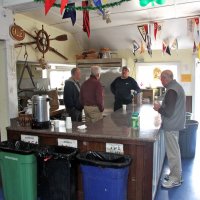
x=117, y=125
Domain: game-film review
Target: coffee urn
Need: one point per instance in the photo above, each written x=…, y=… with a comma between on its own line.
x=41, y=118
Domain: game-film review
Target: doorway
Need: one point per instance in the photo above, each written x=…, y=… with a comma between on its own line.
x=196, y=90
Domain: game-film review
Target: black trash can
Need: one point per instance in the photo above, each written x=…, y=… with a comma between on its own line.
x=57, y=173
x=187, y=139
x=105, y=175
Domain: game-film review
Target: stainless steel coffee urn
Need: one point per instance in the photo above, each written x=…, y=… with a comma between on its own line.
x=41, y=118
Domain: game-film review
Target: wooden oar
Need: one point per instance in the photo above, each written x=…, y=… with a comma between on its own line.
x=60, y=38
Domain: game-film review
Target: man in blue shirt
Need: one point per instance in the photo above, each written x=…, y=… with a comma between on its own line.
x=121, y=87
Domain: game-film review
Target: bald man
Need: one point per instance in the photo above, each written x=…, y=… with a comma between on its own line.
x=172, y=112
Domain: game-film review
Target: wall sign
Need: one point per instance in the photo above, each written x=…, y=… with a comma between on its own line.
x=29, y=138
x=17, y=32
x=67, y=142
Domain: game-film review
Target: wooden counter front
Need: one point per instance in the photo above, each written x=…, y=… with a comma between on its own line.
x=145, y=146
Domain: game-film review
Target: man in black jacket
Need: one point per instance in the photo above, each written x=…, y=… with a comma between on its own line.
x=71, y=95
x=121, y=87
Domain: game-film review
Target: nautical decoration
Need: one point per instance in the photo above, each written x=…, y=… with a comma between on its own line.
x=146, y=2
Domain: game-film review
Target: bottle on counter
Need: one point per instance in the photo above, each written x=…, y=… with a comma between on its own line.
x=135, y=120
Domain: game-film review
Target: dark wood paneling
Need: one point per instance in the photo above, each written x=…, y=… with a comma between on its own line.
x=188, y=103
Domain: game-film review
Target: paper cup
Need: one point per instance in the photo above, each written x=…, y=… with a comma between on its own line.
x=124, y=107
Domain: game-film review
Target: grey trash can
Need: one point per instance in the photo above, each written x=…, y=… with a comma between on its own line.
x=187, y=139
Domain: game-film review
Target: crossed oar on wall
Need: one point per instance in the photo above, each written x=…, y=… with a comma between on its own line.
x=42, y=41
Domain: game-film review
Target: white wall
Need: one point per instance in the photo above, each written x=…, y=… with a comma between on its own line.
x=8, y=97
x=68, y=48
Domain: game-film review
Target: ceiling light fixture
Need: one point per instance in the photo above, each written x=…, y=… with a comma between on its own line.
x=146, y=2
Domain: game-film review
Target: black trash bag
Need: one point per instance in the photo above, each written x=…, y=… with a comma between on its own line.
x=104, y=159
x=57, y=173
x=20, y=147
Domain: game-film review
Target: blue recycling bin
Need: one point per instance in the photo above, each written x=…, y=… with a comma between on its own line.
x=187, y=139
x=105, y=175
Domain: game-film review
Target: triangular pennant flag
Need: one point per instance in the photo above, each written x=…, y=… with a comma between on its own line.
x=168, y=50
x=142, y=49
x=197, y=24
x=135, y=46
x=194, y=47
x=199, y=51
x=86, y=19
x=190, y=27
x=48, y=5
x=164, y=47
x=70, y=13
x=149, y=45
x=175, y=44
x=63, y=4
x=155, y=29
x=143, y=29
x=98, y=4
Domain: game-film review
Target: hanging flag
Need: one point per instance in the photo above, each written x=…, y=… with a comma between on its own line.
x=190, y=27
x=86, y=19
x=142, y=49
x=175, y=44
x=98, y=4
x=197, y=24
x=136, y=46
x=143, y=29
x=194, y=47
x=48, y=5
x=70, y=13
x=199, y=51
x=168, y=50
x=155, y=29
x=164, y=47
x=62, y=5
x=149, y=45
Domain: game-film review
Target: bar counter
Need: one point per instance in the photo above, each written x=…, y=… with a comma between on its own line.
x=145, y=145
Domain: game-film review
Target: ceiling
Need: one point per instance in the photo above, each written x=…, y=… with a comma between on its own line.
x=122, y=30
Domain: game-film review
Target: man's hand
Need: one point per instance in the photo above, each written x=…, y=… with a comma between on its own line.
x=156, y=106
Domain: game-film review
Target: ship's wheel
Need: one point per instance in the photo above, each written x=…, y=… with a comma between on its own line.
x=42, y=41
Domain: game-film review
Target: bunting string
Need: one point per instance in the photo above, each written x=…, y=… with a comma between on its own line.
x=80, y=8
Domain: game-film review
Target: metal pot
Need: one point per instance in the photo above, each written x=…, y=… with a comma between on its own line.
x=41, y=108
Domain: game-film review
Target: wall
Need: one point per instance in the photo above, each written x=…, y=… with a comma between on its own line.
x=8, y=97
x=184, y=57
x=68, y=48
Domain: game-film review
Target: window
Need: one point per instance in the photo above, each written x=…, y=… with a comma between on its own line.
x=57, y=75
x=148, y=74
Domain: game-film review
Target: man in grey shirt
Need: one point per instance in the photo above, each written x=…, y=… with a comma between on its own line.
x=172, y=112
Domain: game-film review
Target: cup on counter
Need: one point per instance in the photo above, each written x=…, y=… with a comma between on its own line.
x=124, y=107
x=132, y=92
x=68, y=123
x=56, y=123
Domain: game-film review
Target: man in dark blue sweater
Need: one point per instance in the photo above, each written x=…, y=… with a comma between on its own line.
x=71, y=95
x=121, y=87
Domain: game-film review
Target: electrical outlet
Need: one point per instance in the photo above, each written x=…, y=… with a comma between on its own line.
x=115, y=148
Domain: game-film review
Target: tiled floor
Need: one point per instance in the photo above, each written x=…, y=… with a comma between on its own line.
x=190, y=189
